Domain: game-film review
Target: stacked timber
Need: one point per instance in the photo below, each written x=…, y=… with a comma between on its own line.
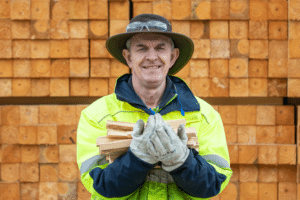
x=118, y=138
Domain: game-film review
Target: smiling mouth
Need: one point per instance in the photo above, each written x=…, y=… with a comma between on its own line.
x=151, y=67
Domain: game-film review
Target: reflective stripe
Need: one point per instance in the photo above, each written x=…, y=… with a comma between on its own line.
x=160, y=176
x=92, y=162
x=216, y=160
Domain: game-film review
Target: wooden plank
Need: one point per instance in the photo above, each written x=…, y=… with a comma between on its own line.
x=117, y=26
x=7, y=88
x=258, y=49
x=48, y=190
x=183, y=27
x=199, y=68
x=218, y=67
x=79, y=67
x=239, y=10
x=10, y=190
x=201, y=9
x=98, y=9
x=117, y=69
x=20, y=10
x=278, y=30
x=119, y=10
x=231, y=191
x=239, y=87
x=5, y=9
x=246, y=115
x=48, y=154
x=10, y=134
x=249, y=190
x=287, y=173
x=111, y=85
x=202, y=48
x=30, y=154
x=142, y=7
x=239, y=48
x=29, y=172
x=265, y=115
x=98, y=49
x=200, y=29
x=29, y=191
x=40, y=68
x=218, y=29
x=265, y=134
x=59, y=87
x=267, y=191
x=59, y=48
x=258, y=87
x=294, y=27
x=278, y=10
x=48, y=172
x=100, y=68
x=60, y=68
x=47, y=134
x=29, y=115
x=5, y=48
x=40, y=10
x=98, y=29
x=293, y=46
x=268, y=174
x=258, y=68
x=59, y=29
x=287, y=190
x=10, y=172
x=258, y=29
x=248, y=173
x=98, y=86
x=200, y=86
x=181, y=10
x=163, y=8
x=220, y=10
x=21, y=68
x=21, y=49
x=228, y=114
x=6, y=69
x=82, y=192
x=79, y=87
x=79, y=48
x=277, y=87
x=67, y=153
x=59, y=10
x=78, y=9
x=293, y=68
x=66, y=115
x=247, y=134
x=20, y=29
x=219, y=87
x=248, y=154
x=285, y=115
x=21, y=87
x=5, y=32
x=67, y=172
x=267, y=154
x=293, y=88
x=287, y=154
x=231, y=133
x=184, y=72
x=10, y=115
x=233, y=154
x=79, y=29
x=27, y=134
x=285, y=134
x=48, y=114
x=220, y=48
x=40, y=29
x=40, y=49
x=258, y=10
x=67, y=190
x=66, y=134
x=106, y=143
x=238, y=67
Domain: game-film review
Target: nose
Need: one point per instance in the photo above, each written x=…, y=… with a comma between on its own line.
x=151, y=55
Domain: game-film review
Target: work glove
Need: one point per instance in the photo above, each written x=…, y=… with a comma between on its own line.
x=141, y=139
x=168, y=146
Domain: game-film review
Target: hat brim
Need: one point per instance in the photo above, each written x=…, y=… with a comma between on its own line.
x=115, y=45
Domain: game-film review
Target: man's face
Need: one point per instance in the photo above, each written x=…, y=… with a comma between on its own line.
x=150, y=58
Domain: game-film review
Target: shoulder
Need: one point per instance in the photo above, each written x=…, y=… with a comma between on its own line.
x=207, y=110
x=102, y=106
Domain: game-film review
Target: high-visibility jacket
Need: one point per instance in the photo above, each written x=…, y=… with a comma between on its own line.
x=204, y=174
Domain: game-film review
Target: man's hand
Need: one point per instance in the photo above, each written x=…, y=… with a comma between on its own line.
x=141, y=139
x=170, y=148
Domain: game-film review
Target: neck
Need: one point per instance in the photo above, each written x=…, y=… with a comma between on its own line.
x=152, y=95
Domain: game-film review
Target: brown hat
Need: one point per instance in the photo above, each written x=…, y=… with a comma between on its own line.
x=151, y=23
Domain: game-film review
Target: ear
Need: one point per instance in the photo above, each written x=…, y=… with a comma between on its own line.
x=126, y=55
x=174, y=56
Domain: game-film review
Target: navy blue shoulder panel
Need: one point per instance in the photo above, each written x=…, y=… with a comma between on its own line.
x=122, y=177
x=197, y=177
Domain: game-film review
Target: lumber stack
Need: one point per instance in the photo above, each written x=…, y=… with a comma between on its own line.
x=118, y=138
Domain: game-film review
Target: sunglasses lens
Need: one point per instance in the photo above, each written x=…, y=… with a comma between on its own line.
x=150, y=26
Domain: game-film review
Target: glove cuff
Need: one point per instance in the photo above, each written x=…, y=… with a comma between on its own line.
x=176, y=165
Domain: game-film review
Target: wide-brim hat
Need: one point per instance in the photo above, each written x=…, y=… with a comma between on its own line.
x=159, y=25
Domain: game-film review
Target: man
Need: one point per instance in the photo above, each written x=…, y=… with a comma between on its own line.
x=151, y=94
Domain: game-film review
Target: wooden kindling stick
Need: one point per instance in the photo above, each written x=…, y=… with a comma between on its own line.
x=118, y=138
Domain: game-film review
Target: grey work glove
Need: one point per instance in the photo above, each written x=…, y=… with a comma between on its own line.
x=168, y=146
x=141, y=139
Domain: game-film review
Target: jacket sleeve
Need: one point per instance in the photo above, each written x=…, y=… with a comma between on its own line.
x=120, y=179
x=206, y=174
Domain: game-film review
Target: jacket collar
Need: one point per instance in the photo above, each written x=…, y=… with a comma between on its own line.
x=185, y=99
